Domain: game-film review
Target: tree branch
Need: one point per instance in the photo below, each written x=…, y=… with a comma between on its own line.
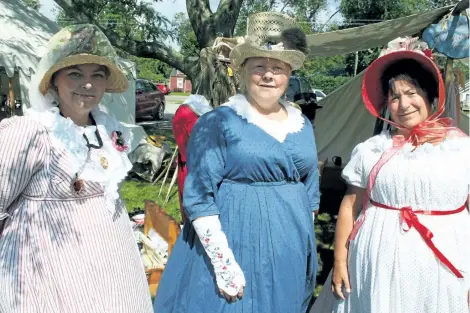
x=285, y=5
x=202, y=12
x=69, y=7
x=143, y=49
x=321, y=28
x=227, y=15
x=200, y=16
x=137, y=48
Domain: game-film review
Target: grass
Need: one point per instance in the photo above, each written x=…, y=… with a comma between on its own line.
x=167, y=135
x=176, y=93
x=134, y=193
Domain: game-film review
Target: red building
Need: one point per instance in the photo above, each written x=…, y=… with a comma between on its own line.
x=179, y=82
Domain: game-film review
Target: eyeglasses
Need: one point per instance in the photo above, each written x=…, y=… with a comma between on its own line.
x=261, y=70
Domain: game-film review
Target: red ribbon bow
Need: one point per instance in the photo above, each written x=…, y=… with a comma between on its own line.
x=410, y=218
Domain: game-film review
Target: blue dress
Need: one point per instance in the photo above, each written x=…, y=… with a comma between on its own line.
x=264, y=192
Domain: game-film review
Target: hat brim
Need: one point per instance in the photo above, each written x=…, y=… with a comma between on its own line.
x=372, y=93
x=244, y=51
x=117, y=81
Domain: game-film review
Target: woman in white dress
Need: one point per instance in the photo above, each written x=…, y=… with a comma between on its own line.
x=408, y=250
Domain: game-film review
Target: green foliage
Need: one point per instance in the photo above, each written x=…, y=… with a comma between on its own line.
x=323, y=65
x=380, y=9
x=251, y=7
x=112, y=16
x=463, y=68
x=34, y=4
x=151, y=69
x=305, y=24
x=328, y=83
x=368, y=11
x=304, y=12
x=186, y=38
x=325, y=73
x=132, y=19
x=364, y=59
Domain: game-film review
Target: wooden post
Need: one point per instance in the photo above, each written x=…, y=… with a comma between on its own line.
x=11, y=95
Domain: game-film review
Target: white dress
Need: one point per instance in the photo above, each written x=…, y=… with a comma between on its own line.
x=393, y=271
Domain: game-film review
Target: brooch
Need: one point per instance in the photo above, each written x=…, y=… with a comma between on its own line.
x=118, y=141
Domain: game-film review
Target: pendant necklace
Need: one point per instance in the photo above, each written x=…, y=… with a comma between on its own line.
x=78, y=183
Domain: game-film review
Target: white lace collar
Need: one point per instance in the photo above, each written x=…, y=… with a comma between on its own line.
x=277, y=129
x=65, y=134
x=198, y=104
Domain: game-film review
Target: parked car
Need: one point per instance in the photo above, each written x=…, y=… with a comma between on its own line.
x=320, y=94
x=164, y=88
x=150, y=101
x=300, y=92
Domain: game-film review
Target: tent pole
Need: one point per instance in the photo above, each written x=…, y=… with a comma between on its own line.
x=356, y=61
x=11, y=95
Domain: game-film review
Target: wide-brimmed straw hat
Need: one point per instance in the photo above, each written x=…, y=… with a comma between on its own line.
x=398, y=50
x=271, y=35
x=83, y=44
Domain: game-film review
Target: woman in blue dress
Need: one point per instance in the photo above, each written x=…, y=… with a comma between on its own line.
x=249, y=243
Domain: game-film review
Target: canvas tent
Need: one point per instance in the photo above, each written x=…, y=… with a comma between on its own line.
x=343, y=122
x=24, y=34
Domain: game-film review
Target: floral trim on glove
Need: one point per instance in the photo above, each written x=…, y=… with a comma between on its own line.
x=228, y=273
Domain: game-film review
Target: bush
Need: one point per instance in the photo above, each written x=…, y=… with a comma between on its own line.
x=328, y=83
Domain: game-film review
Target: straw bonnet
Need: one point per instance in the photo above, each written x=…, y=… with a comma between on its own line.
x=397, y=50
x=83, y=44
x=271, y=35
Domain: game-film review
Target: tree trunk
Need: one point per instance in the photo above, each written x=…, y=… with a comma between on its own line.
x=210, y=77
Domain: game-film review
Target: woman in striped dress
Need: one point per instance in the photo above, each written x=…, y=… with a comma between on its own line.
x=66, y=244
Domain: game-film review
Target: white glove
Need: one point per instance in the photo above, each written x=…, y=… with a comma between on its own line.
x=228, y=274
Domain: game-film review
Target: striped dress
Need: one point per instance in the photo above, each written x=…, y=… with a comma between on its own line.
x=59, y=251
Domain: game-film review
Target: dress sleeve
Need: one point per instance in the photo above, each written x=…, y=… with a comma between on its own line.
x=206, y=155
x=312, y=182
x=312, y=179
x=22, y=154
x=354, y=172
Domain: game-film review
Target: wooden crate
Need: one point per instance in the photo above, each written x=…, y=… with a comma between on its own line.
x=168, y=228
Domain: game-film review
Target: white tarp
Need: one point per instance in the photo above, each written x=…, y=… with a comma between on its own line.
x=24, y=33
